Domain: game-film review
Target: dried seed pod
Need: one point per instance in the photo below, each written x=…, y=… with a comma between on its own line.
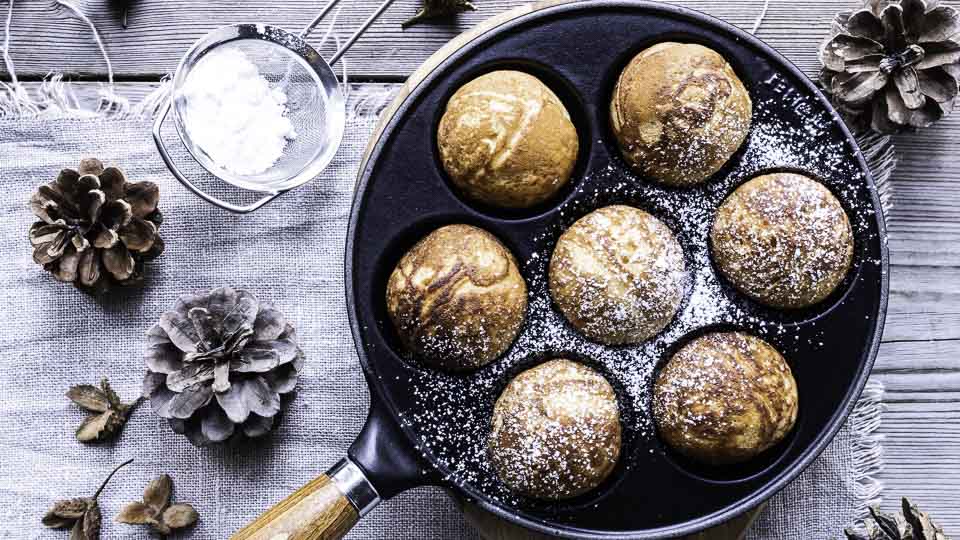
x=81, y=515
x=111, y=414
x=156, y=511
x=432, y=9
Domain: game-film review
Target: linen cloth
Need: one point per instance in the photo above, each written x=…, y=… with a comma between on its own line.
x=291, y=253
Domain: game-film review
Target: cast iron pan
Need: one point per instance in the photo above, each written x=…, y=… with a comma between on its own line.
x=427, y=427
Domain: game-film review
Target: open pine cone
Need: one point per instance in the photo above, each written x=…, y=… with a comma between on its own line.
x=893, y=64
x=218, y=364
x=96, y=228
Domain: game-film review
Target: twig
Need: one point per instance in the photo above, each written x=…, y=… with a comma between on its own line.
x=107, y=479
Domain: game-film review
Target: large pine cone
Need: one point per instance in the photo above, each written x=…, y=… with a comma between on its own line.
x=218, y=364
x=96, y=228
x=894, y=64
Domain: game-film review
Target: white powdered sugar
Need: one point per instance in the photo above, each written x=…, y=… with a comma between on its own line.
x=233, y=115
x=452, y=412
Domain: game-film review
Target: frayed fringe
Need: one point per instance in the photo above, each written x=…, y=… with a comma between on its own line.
x=867, y=449
x=371, y=101
x=56, y=99
x=880, y=154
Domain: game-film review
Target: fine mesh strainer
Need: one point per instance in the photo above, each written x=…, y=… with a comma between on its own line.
x=315, y=106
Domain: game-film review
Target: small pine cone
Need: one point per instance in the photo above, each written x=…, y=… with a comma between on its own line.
x=96, y=229
x=893, y=64
x=218, y=365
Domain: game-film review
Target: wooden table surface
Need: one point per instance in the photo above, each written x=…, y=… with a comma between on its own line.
x=919, y=360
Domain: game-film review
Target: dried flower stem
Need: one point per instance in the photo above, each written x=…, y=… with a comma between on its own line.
x=109, y=476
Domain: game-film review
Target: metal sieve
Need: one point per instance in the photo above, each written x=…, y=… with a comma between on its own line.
x=315, y=106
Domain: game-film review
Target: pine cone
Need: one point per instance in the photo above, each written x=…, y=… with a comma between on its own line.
x=97, y=229
x=894, y=64
x=218, y=364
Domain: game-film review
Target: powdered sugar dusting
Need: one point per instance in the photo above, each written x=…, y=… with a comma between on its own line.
x=452, y=412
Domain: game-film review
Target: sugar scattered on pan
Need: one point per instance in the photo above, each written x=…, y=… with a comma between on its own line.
x=453, y=411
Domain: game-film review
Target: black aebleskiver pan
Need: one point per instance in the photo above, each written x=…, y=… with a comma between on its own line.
x=426, y=427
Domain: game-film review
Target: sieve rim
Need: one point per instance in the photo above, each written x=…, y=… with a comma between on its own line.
x=335, y=116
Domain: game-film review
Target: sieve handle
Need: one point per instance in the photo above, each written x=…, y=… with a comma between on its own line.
x=356, y=34
x=157, y=124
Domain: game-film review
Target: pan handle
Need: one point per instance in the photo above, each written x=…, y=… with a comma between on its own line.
x=380, y=464
x=326, y=508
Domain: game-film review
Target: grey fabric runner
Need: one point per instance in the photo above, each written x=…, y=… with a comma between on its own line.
x=290, y=253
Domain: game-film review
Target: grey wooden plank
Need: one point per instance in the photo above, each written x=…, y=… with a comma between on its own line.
x=45, y=38
x=921, y=444
x=933, y=357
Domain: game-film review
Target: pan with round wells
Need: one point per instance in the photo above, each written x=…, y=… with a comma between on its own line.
x=427, y=427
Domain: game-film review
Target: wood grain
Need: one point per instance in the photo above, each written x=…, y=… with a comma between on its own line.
x=317, y=511
x=46, y=38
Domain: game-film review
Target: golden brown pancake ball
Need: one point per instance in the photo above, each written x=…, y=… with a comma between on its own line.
x=507, y=140
x=783, y=240
x=679, y=112
x=457, y=299
x=725, y=398
x=618, y=275
x=555, y=431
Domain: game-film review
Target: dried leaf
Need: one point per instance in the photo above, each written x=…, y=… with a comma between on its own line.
x=91, y=522
x=77, y=533
x=112, y=396
x=136, y=513
x=157, y=493
x=179, y=516
x=439, y=8
x=156, y=511
x=112, y=412
x=89, y=397
x=65, y=512
x=94, y=428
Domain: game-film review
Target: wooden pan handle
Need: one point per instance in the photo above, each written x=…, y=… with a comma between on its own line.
x=320, y=510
